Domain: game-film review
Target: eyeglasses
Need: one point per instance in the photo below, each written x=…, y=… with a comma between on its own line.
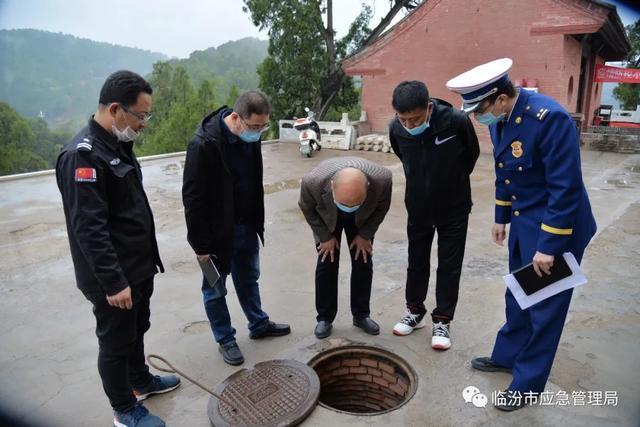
x=255, y=128
x=143, y=117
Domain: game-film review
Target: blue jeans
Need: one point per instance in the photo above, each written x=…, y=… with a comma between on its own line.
x=245, y=272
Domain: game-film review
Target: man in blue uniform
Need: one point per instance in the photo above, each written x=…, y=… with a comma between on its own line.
x=539, y=191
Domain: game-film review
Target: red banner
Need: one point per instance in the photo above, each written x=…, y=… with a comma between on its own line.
x=606, y=73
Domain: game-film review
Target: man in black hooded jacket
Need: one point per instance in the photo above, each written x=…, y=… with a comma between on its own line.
x=438, y=148
x=223, y=201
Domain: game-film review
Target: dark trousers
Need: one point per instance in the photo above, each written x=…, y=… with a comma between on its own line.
x=327, y=276
x=451, y=243
x=121, y=362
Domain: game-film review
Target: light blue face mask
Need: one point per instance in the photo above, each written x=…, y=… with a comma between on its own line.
x=418, y=129
x=489, y=119
x=347, y=209
x=248, y=136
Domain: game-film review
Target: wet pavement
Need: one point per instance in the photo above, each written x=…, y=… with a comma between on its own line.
x=48, y=348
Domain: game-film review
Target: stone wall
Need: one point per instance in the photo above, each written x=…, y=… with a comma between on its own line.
x=618, y=143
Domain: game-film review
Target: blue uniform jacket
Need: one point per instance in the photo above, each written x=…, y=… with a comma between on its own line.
x=539, y=187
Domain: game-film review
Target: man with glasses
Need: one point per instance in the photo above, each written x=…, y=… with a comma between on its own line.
x=113, y=244
x=438, y=148
x=540, y=193
x=223, y=200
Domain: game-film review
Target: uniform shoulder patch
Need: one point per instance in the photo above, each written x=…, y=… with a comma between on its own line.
x=84, y=145
x=86, y=175
x=537, y=111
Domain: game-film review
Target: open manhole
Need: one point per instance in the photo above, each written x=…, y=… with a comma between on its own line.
x=362, y=380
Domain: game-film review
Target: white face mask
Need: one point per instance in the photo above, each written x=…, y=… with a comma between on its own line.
x=125, y=135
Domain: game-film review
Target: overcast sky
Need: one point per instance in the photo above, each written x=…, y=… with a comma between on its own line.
x=173, y=27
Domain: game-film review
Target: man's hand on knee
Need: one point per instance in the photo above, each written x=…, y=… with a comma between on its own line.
x=363, y=246
x=328, y=248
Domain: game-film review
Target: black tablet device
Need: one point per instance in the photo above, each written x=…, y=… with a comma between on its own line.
x=530, y=282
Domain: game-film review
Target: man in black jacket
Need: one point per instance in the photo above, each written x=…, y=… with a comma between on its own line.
x=223, y=199
x=438, y=148
x=113, y=244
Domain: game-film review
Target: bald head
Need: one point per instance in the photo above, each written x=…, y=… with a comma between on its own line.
x=350, y=187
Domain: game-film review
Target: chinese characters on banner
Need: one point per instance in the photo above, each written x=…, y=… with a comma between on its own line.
x=606, y=73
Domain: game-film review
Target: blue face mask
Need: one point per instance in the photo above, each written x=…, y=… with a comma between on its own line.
x=489, y=119
x=248, y=136
x=418, y=129
x=347, y=209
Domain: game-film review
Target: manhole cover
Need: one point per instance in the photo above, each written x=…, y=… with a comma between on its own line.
x=363, y=380
x=273, y=393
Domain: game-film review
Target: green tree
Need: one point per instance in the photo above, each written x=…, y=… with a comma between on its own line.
x=60, y=75
x=47, y=143
x=629, y=93
x=206, y=99
x=234, y=93
x=303, y=66
x=163, y=93
x=178, y=108
x=19, y=148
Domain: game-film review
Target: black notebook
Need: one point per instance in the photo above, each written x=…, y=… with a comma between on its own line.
x=210, y=271
x=530, y=282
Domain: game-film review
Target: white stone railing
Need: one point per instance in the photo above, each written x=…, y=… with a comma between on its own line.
x=337, y=135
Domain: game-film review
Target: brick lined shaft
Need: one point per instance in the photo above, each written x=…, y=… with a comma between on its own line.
x=364, y=380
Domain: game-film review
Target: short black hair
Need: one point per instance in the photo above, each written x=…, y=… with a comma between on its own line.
x=252, y=102
x=123, y=87
x=410, y=95
x=506, y=89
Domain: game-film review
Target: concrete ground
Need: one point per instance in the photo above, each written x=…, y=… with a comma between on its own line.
x=48, y=348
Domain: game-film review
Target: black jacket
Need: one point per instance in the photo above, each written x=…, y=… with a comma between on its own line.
x=437, y=165
x=207, y=192
x=109, y=220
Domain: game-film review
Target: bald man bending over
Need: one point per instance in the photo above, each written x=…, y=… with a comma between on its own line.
x=350, y=194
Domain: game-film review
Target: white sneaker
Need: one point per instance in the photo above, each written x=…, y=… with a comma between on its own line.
x=440, y=339
x=408, y=323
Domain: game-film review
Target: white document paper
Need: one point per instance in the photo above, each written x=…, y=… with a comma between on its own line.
x=577, y=278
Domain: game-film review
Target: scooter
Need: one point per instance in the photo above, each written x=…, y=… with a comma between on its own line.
x=309, y=136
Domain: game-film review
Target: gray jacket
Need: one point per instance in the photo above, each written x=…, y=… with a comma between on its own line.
x=318, y=207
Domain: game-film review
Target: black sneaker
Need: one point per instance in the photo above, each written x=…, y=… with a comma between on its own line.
x=271, y=330
x=231, y=353
x=408, y=323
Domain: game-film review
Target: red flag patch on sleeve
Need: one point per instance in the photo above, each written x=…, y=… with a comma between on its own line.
x=86, y=175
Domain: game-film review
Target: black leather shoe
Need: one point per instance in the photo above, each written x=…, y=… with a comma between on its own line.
x=231, y=353
x=509, y=401
x=272, y=329
x=323, y=329
x=487, y=365
x=367, y=325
